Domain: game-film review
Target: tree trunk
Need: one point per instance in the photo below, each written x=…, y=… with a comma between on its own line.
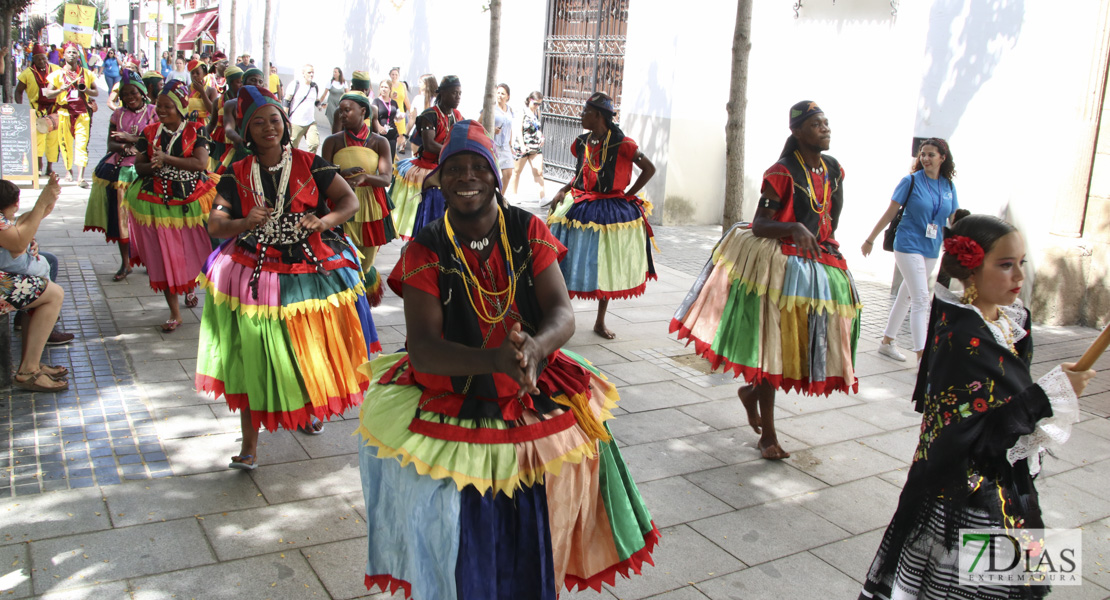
x=173, y=36
x=737, y=106
x=265, y=64
x=491, y=66
x=231, y=41
x=6, y=43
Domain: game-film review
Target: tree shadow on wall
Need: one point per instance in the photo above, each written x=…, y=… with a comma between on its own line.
x=959, y=66
x=418, y=56
x=1069, y=278
x=655, y=136
x=369, y=19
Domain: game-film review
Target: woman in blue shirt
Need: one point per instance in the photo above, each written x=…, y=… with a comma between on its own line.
x=930, y=201
x=111, y=69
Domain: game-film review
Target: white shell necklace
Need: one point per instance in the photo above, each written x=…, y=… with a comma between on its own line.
x=173, y=138
x=479, y=245
x=282, y=182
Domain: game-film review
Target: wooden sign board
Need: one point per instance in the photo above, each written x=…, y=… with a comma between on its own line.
x=17, y=143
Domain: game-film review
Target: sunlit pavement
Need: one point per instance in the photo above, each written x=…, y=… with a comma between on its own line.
x=119, y=488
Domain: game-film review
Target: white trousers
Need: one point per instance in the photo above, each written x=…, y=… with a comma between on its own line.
x=913, y=298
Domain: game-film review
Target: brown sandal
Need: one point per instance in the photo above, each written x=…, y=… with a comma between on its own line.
x=59, y=374
x=30, y=384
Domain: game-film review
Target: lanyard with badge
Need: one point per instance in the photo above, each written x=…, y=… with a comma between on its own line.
x=931, y=228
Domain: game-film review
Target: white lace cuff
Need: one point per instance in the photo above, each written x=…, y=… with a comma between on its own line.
x=1050, y=432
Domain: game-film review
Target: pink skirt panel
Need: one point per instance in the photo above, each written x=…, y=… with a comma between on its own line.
x=173, y=257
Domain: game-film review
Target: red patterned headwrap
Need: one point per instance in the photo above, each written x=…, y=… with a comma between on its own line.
x=468, y=136
x=178, y=93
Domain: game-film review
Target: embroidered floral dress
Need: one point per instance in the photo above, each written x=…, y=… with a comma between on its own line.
x=985, y=426
x=17, y=291
x=531, y=135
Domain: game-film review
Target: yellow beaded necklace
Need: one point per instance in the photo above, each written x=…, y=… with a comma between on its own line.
x=471, y=281
x=604, y=153
x=822, y=207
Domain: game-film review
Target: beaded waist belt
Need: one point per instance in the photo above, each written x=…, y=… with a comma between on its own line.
x=175, y=174
x=282, y=230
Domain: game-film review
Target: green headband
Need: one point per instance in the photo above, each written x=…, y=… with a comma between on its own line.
x=132, y=78
x=361, y=99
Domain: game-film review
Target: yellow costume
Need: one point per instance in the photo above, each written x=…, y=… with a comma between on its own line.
x=213, y=81
x=401, y=92
x=196, y=105
x=73, y=132
x=372, y=225
x=46, y=144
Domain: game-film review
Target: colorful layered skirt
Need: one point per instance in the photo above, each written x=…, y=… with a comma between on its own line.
x=103, y=213
x=521, y=509
x=608, y=245
x=231, y=153
x=408, y=182
x=769, y=317
x=217, y=151
x=372, y=225
x=290, y=354
x=169, y=235
x=432, y=206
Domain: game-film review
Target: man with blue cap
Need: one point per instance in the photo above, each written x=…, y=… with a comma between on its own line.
x=459, y=431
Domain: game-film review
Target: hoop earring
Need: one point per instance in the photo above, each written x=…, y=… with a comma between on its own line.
x=970, y=294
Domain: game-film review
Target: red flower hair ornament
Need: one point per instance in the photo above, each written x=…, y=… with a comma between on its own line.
x=966, y=250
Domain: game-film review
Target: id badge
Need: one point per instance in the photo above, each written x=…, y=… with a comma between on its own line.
x=931, y=231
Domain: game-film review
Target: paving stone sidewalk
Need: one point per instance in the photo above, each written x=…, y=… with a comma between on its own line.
x=119, y=487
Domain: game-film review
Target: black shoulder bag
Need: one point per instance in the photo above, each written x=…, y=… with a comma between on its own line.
x=892, y=229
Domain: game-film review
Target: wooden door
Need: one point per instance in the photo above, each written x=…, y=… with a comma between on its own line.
x=583, y=53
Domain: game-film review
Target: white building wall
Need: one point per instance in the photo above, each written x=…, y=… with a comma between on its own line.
x=441, y=37
x=1009, y=83
x=858, y=63
x=1012, y=84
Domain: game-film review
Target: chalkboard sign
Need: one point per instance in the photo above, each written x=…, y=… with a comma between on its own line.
x=17, y=143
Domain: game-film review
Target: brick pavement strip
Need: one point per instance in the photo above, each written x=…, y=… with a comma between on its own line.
x=734, y=525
